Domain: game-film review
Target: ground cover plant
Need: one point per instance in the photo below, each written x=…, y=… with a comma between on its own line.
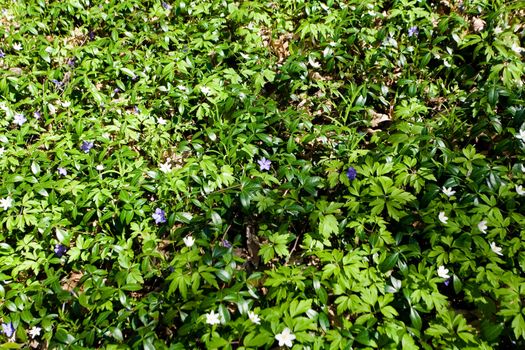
x=256, y=174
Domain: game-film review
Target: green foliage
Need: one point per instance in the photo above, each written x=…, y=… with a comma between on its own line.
x=220, y=174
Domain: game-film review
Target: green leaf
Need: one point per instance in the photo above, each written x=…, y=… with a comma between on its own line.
x=417, y=323
x=328, y=225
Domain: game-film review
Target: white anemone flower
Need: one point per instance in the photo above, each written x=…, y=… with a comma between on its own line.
x=286, y=337
x=442, y=217
x=495, y=248
x=189, y=241
x=212, y=318
x=448, y=191
x=254, y=317
x=443, y=272
x=482, y=226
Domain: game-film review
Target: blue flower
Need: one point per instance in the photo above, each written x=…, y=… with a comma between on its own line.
x=60, y=250
x=62, y=171
x=413, y=31
x=159, y=216
x=8, y=329
x=2, y=54
x=226, y=244
x=351, y=173
x=86, y=146
x=264, y=164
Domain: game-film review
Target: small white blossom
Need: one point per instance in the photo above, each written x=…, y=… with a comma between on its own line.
x=6, y=203
x=519, y=190
x=52, y=108
x=442, y=217
x=166, y=167
x=517, y=49
x=443, y=272
x=161, y=121
x=205, y=90
x=189, y=241
x=327, y=51
x=19, y=119
x=448, y=191
x=66, y=104
x=212, y=318
x=182, y=88
x=482, y=226
x=99, y=167
x=17, y=46
x=521, y=135
x=285, y=338
x=314, y=63
x=498, y=30
x=254, y=317
x=495, y=248
x=34, y=332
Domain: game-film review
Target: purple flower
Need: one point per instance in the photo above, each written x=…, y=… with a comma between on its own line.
x=413, y=31
x=71, y=62
x=37, y=115
x=60, y=250
x=91, y=36
x=226, y=244
x=264, y=164
x=166, y=5
x=19, y=119
x=351, y=174
x=62, y=171
x=116, y=90
x=2, y=54
x=86, y=146
x=159, y=216
x=8, y=329
x=447, y=282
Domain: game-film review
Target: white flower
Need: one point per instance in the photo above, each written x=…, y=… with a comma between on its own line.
x=442, y=217
x=19, y=119
x=520, y=191
x=313, y=63
x=182, y=88
x=6, y=203
x=498, y=30
x=34, y=332
x=52, y=108
x=521, y=135
x=189, y=241
x=17, y=46
x=448, y=191
x=99, y=167
x=285, y=338
x=517, y=49
x=205, y=90
x=327, y=51
x=212, y=318
x=254, y=317
x=495, y=248
x=161, y=121
x=66, y=104
x=166, y=167
x=443, y=272
x=482, y=226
